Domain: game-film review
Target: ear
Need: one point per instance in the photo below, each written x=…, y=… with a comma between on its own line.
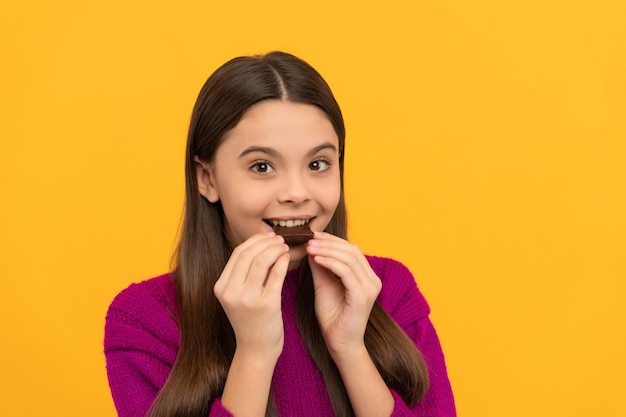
x=206, y=180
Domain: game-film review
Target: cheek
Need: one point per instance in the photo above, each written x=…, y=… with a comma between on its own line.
x=246, y=204
x=328, y=195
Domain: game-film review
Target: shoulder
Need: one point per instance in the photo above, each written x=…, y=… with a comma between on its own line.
x=400, y=294
x=388, y=267
x=147, y=307
x=155, y=294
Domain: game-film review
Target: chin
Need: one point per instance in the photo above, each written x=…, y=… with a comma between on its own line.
x=296, y=255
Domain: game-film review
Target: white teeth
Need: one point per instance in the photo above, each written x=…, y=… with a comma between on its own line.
x=289, y=223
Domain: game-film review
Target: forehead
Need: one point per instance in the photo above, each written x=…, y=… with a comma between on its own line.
x=282, y=124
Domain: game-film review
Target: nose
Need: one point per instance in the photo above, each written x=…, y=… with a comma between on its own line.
x=294, y=189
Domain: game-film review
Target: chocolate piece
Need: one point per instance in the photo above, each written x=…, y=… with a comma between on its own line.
x=295, y=236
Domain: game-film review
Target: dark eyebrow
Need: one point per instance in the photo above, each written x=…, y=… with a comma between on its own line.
x=274, y=153
x=321, y=147
x=262, y=149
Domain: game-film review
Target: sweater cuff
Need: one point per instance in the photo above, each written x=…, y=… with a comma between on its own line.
x=218, y=409
x=400, y=409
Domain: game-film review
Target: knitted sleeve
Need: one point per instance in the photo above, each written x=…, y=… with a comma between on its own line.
x=401, y=298
x=140, y=345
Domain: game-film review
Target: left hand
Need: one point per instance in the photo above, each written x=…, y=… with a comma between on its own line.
x=346, y=288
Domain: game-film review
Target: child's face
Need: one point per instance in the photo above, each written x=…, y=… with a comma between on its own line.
x=281, y=162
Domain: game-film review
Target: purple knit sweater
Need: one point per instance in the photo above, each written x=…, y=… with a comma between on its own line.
x=141, y=342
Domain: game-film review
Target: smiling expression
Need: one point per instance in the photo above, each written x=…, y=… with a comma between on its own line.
x=279, y=164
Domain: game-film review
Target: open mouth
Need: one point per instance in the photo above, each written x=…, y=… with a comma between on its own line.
x=286, y=223
x=296, y=232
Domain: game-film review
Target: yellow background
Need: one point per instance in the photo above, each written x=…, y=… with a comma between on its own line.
x=486, y=150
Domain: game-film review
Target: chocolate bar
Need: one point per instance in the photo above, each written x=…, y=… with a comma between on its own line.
x=296, y=235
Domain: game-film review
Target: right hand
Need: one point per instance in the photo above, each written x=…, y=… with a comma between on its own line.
x=249, y=290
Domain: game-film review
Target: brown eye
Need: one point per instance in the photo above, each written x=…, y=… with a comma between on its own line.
x=261, y=167
x=319, y=165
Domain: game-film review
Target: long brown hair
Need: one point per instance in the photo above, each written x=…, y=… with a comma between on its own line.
x=207, y=341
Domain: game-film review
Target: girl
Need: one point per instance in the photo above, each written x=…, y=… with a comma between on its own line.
x=247, y=325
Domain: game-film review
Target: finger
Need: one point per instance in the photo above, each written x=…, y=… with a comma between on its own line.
x=359, y=293
x=232, y=261
x=262, y=265
x=334, y=270
x=277, y=275
x=333, y=247
x=244, y=255
x=343, y=252
x=356, y=278
x=320, y=273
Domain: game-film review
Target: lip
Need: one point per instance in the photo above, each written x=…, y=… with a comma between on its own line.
x=295, y=217
x=269, y=220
